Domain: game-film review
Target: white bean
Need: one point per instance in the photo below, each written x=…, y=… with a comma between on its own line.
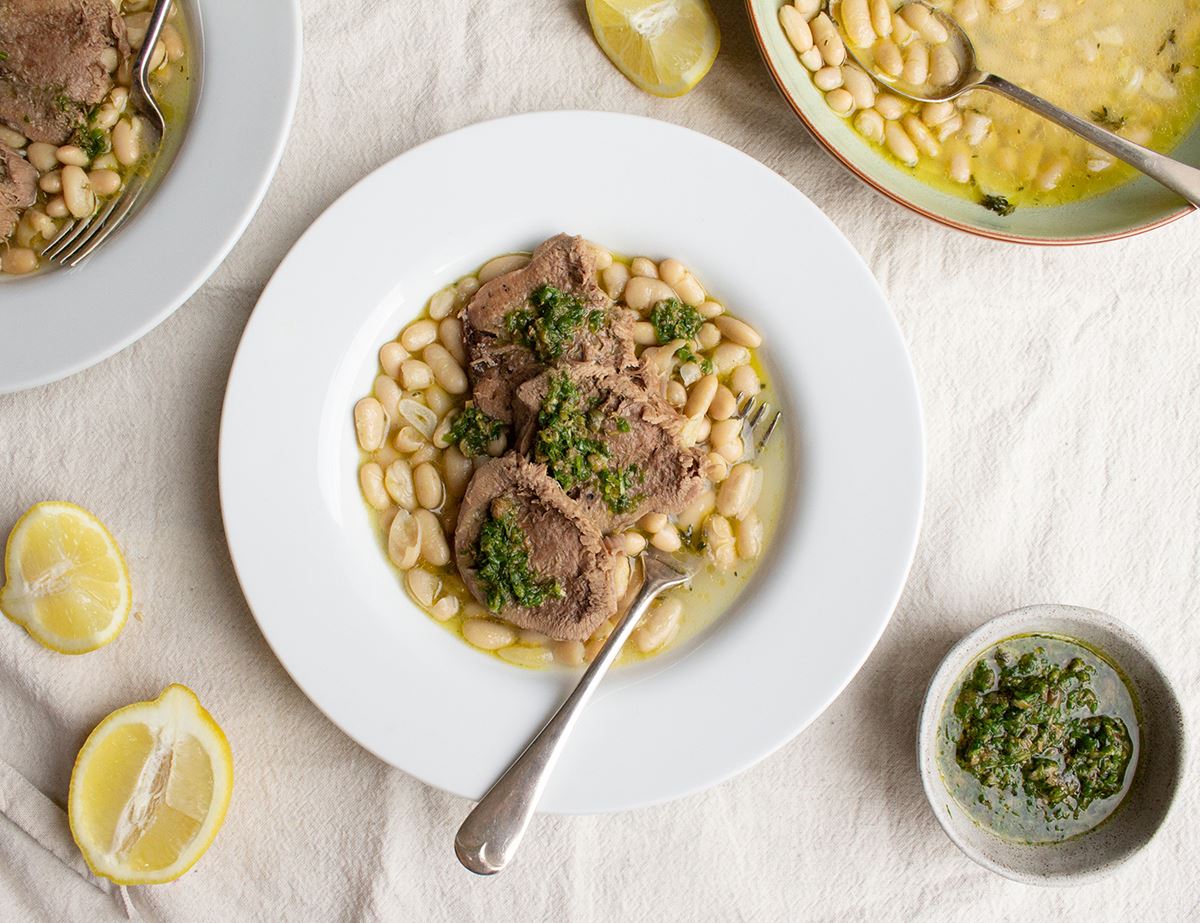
x=916, y=64
x=51, y=182
x=899, y=143
x=57, y=207
x=744, y=381
x=711, y=309
x=676, y=394
x=653, y=522
x=486, y=634
x=734, y=495
x=446, y=371
x=415, y=375
x=828, y=40
x=921, y=136
x=642, y=293
x=418, y=335
x=387, y=392
x=125, y=143
x=644, y=333
x=881, y=17
x=723, y=404
x=445, y=608
x=749, y=534
x=614, y=279
x=423, y=585
x=43, y=156
x=18, y=261
x=428, y=484
x=568, y=653
x=870, y=125
x=370, y=423
x=856, y=20
x=434, y=547
x=671, y=271
x=71, y=155
x=719, y=537
x=828, y=78
x=408, y=439
x=796, y=28
x=450, y=332
x=659, y=625
x=716, y=467
x=458, y=470
x=13, y=139
x=922, y=19
x=690, y=291
x=728, y=356
x=933, y=114
x=398, y=482
x=502, y=265
x=890, y=106
x=1051, y=173
x=738, y=331
x=105, y=182
x=667, y=539
x=860, y=86
x=532, y=658
x=960, y=167
x=944, y=66
x=698, y=510
x=442, y=303
x=976, y=126
x=812, y=59
x=390, y=357
x=404, y=540
x=701, y=396
x=888, y=58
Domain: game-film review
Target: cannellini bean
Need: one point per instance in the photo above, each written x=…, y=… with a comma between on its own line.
x=43, y=156
x=428, y=484
x=921, y=136
x=51, y=182
x=39, y=223
x=738, y=331
x=446, y=371
x=890, y=106
x=105, y=182
x=743, y=381
x=728, y=356
x=614, y=279
x=438, y=400
x=632, y=543
x=642, y=293
x=418, y=335
x=106, y=118
x=13, y=139
x=881, y=17
x=426, y=453
x=659, y=625
x=944, y=66
x=733, y=450
x=860, y=86
x=922, y=19
x=621, y=574
x=18, y=261
x=434, y=547
x=711, y=309
x=370, y=424
x=795, y=27
x=125, y=143
x=398, y=482
x=387, y=392
x=372, y=484
x=529, y=636
x=458, y=470
x=442, y=303
x=719, y=537
x=950, y=127
x=966, y=12
x=663, y=357
x=568, y=653
x=173, y=42
x=408, y=439
x=856, y=20
x=807, y=8
x=899, y=143
x=828, y=40
x=71, y=155
x=716, y=467
x=667, y=539
x=643, y=267
x=653, y=522
x=703, y=427
x=735, y=492
x=486, y=634
x=701, y=396
x=869, y=124
x=828, y=78
x=671, y=271
x=77, y=192
x=501, y=265
x=676, y=394
x=960, y=167
x=812, y=59
x=902, y=32
x=596, y=641
x=697, y=511
x=644, y=333
x=725, y=430
x=57, y=207
x=690, y=291
x=404, y=540
x=976, y=126
x=450, y=333
x=888, y=58
x=423, y=585
x=601, y=257
x=391, y=355
x=445, y=608
x=935, y=113
x=723, y=404
x=749, y=535
x=464, y=288
x=1051, y=172
x=532, y=658
x=415, y=375
x=916, y=64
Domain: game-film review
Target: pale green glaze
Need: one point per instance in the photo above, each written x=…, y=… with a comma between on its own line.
x=1128, y=209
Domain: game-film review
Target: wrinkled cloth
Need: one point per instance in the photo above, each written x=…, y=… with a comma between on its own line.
x=1060, y=391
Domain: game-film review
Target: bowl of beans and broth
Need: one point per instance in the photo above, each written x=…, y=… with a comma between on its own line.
x=982, y=164
x=1051, y=744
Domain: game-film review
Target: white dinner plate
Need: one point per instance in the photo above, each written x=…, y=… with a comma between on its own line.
x=305, y=548
x=246, y=59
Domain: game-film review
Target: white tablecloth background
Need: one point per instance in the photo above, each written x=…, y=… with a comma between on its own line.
x=1061, y=392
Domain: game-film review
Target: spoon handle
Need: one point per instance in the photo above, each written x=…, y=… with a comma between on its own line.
x=489, y=837
x=1176, y=176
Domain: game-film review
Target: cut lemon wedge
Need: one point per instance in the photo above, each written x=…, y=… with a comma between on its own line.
x=664, y=46
x=68, y=585
x=150, y=789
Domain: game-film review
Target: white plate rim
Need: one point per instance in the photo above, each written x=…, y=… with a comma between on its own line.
x=240, y=523
x=47, y=330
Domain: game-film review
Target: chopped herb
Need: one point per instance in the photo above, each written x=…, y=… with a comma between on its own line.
x=548, y=326
x=473, y=430
x=570, y=443
x=93, y=141
x=998, y=204
x=1169, y=40
x=502, y=563
x=694, y=539
x=63, y=102
x=686, y=354
x=1022, y=732
x=674, y=320
x=1106, y=118
x=3, y=55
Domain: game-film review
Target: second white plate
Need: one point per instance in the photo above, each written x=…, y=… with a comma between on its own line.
x=305, y=549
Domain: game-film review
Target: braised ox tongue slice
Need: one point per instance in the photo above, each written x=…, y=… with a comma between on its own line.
x=526, y=552
x=18, y=188
x=551, y=311
x=613, y=446
x=52, y=69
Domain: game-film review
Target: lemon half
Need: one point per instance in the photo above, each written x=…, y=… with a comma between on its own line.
x=68, y=585
x=664, y=46
x=150, y=789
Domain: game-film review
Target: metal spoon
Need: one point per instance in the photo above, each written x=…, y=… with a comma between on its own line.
x=1176, y=176
x=489, y=837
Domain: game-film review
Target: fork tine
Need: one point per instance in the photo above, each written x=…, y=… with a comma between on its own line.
x=744, y=407
x=758, y=414
x=111, y=218
x=770, y=429
x=69, y=232
x=95, y=226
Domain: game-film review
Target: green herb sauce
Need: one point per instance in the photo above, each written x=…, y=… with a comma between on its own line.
x=571, y=443
x=1041, y=740
x=549, y=323
x=674, y=320
x=502, y=563
x=473, y=430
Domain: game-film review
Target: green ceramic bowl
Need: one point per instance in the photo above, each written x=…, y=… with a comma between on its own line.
x=1137, y=206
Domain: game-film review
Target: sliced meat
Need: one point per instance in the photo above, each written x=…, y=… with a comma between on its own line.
x=497, y=363
x=562, y=545
x=643, y=435
x=52, y=72
x=18, y=188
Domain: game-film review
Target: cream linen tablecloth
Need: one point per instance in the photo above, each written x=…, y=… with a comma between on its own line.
x=1061, y=391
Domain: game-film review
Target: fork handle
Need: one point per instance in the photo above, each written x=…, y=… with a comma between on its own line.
x=1176, y=176
x=489, y=837
x=158, y=19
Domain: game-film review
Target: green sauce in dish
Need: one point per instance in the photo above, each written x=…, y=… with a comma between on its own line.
x=1039, y=742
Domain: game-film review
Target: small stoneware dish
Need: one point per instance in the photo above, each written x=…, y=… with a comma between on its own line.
x=1160, y=763
x=1131, y=208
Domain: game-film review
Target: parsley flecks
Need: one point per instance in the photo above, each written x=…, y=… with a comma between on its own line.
x=549, y=324
x=1021, y=732
x=570, y=443
x=3, y=55
x=1106, y=118
x=674, y=320
x=998, y=204
x=686, y=354
x=502, y=564
x=93, y=141
x=473, y=430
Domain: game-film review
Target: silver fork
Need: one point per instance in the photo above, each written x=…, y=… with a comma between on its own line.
x=79, y=238
x=489, y=837
x=754, y=411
